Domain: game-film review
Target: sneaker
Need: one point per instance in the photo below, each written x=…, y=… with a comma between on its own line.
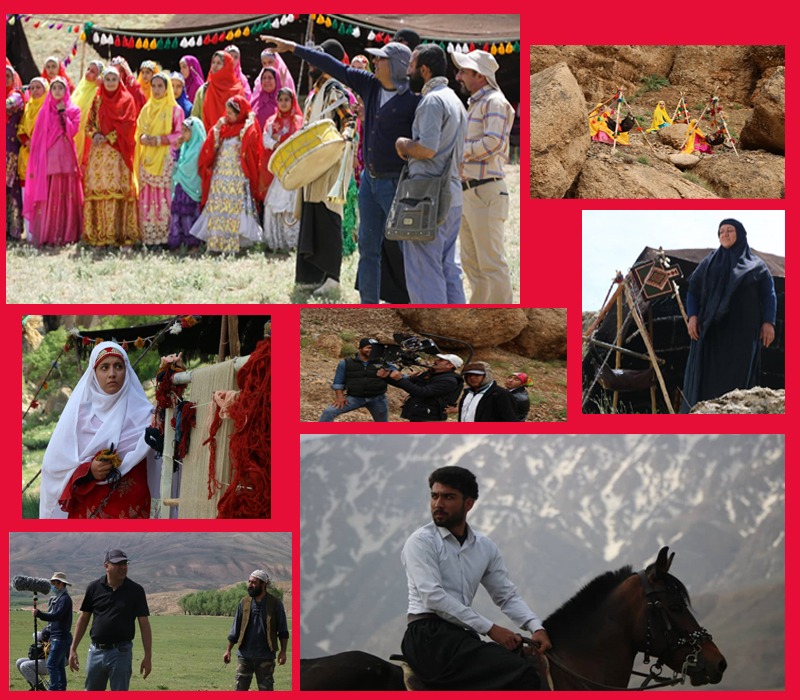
x=330, y=286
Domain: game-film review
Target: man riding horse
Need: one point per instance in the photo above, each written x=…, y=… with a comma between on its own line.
x=444, y=562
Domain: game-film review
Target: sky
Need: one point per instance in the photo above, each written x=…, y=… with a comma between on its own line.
x=613, y=239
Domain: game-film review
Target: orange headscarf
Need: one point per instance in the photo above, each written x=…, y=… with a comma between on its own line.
x=221, y=86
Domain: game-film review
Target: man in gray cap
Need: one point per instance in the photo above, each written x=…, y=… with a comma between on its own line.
x=389, y=108
x=59, y=615
x=358, y=376
x=116, y=603
x=485, y=203
x=259, y=627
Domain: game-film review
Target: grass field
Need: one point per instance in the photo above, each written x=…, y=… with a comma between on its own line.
x=78, y=274
x=187, y=654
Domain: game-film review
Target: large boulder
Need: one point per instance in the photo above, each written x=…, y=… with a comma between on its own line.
x=479, y=327
x=728, y=70
x=610, y=177
x=673, y=136
x=756, y=400
x=559, y=131
x=751, y=175
x=683, y=161
x=765, y=129
x=545, y=336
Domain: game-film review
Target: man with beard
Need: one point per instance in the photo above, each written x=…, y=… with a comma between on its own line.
x=389, y=108
x=490, y=118
x=259, y=627
x=445, y=561
x=433, y=270
x=431, y=392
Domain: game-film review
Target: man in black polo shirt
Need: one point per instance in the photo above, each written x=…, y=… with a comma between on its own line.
x=259, y=627
x=116, y=602
x=358, y=376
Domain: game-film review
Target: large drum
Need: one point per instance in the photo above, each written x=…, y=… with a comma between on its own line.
x=307, y=154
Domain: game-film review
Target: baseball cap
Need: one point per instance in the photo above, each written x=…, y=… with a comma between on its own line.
x=454, y=360
x=115, y=556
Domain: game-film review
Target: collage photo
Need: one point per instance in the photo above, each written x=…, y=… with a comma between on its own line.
x=269, y=266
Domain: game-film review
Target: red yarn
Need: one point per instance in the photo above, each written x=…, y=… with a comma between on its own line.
x=248, y=495
x=188, y=421
x=211, y=441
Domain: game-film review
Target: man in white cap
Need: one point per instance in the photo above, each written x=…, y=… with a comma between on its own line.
x=59, y=615
x=431, y=392
x=485, y=201
x=259, y=627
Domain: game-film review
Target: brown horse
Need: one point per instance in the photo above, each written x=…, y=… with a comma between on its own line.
x=596, y=637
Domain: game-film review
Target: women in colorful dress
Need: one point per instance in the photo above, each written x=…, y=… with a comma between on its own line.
x=53, y=200
x=265, y=103
x=130, y=81
x=97, y=464
x=15, y=104
x=192, y=73
x=83, y=97
x=223, y=83
x=187, y=185
x=157, y=131
x=695, y=140
x=146, y=72
x=228, y=165
x=271, y=59
x=110, y=216
x=37, y=92
x=281, y=228
x=179, y=90
x=53, y=68
x=237, y=67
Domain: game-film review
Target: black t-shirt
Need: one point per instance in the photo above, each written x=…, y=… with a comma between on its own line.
x=114, y=612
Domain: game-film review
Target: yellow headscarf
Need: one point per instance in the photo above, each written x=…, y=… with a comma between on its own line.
x=660, y=117
x=691, y=132
x=83, y=97
x=156, y=68
x=155, y=119
x=26, y=125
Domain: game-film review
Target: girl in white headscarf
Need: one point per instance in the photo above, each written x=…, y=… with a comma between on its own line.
x=97, y=464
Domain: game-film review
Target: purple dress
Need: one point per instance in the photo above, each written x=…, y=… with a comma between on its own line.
x=185, y=211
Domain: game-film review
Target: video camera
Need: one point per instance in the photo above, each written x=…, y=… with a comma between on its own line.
x=405, y=352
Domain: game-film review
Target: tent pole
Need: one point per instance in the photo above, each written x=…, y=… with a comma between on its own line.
x=624, y=351
x=223, y=338
x=604, y=311
x=649, y=345
x=653, y=387
x=616, y=123
x=618, y=359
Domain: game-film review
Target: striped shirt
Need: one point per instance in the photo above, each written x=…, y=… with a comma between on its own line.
x=490, y=118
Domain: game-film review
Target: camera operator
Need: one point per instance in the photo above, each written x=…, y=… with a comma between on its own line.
x=358, y=377
x=429, y=392
x=483, y=399
x=59, y=615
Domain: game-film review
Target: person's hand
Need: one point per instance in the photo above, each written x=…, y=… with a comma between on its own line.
x=399, y=147
x=451, y=409
x=767, y=333
x=396, y=374
x=100, y=469
x=61, y=107
x=694, y=328
x=541, y=642
x=145, y=667
x=36, y=612
x=281, y=45
x=73, y=661
x=505, y=637
x=281, y=658
x=383, y=373
x=340, y=402
x=226, y=657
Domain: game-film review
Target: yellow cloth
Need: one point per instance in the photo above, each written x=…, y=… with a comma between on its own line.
x=660, y=117
x=691, y=132
x=597, y=122
x=83, y=97
x=155, y=119
x=25, y=128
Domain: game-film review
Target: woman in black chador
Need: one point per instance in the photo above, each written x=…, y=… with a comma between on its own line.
x=731, y=305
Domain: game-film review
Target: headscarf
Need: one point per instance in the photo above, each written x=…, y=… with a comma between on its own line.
x=155, y=119
x=186, y=174
x=691, y=135
x=221, y=86
x=61, y=72
x=131, y=84
x=281, y=67
x=246, y=128
x=660, y=117
x=16, y=83
x=117, y=112
x=196, y=77
x=83, y=97
x=27, y=124
x=265, y=104
x=183, y=100
x=49, y=128
x=124, y=417
x=143, y=84
x=280, y=127
x=237, y=66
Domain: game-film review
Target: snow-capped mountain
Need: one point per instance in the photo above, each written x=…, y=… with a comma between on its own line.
x=562, y=509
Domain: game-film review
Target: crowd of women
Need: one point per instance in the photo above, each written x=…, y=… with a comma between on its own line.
x=168, y=159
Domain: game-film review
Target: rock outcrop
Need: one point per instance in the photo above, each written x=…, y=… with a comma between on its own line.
x=484, y=329
x=756, y=400
x=545, y=336
x=766, y=127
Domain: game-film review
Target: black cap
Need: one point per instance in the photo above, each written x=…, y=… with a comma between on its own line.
x=333, y=48
x=366, y=341
x=115, y=556
x=408, y=37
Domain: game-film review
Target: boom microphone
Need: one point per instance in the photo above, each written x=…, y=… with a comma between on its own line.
x=34, y=585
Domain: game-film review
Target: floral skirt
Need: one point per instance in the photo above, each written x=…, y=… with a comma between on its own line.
x=109, y=206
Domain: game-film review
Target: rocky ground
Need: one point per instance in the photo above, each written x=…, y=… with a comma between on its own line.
x=327, y=335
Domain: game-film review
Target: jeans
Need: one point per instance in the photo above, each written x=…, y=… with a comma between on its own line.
x=109, y=666
x=263, y=668
x=378, y=406
x=433, y=269
x=375, y=196
x=56, y=662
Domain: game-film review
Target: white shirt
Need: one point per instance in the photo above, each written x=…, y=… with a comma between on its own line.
x=471, y=400
x=443, y=578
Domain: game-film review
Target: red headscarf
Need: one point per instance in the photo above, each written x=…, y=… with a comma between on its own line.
x=16, y=84
x=61, y=72
x=221, y=86
x=246, y=128
x=280, y=126
x=117, y=112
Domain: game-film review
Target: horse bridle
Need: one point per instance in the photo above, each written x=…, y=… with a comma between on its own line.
x=655, y=611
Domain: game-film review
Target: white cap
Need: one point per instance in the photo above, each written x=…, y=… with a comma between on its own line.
x=454, y=360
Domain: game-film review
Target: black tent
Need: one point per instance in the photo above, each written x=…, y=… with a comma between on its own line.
x=671, y=339
x=19, y=53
